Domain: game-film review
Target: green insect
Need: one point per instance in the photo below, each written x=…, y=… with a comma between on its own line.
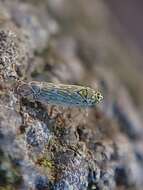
x=59, y=94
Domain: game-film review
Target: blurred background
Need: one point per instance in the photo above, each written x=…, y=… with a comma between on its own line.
x=92, y=43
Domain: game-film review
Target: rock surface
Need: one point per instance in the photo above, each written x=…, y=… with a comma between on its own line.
x=59, y=148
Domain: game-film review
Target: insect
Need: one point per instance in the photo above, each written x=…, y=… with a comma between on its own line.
x=59, y=94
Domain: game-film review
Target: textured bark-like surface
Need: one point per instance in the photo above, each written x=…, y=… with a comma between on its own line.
x=46, y=147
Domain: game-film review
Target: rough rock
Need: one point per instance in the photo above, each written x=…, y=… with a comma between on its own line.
x=46, y=147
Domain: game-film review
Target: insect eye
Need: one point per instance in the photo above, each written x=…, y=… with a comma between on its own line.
x=99, y=96
x=83, y=93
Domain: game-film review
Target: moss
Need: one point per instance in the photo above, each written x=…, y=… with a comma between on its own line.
x=45, y=162
x=8, y=187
